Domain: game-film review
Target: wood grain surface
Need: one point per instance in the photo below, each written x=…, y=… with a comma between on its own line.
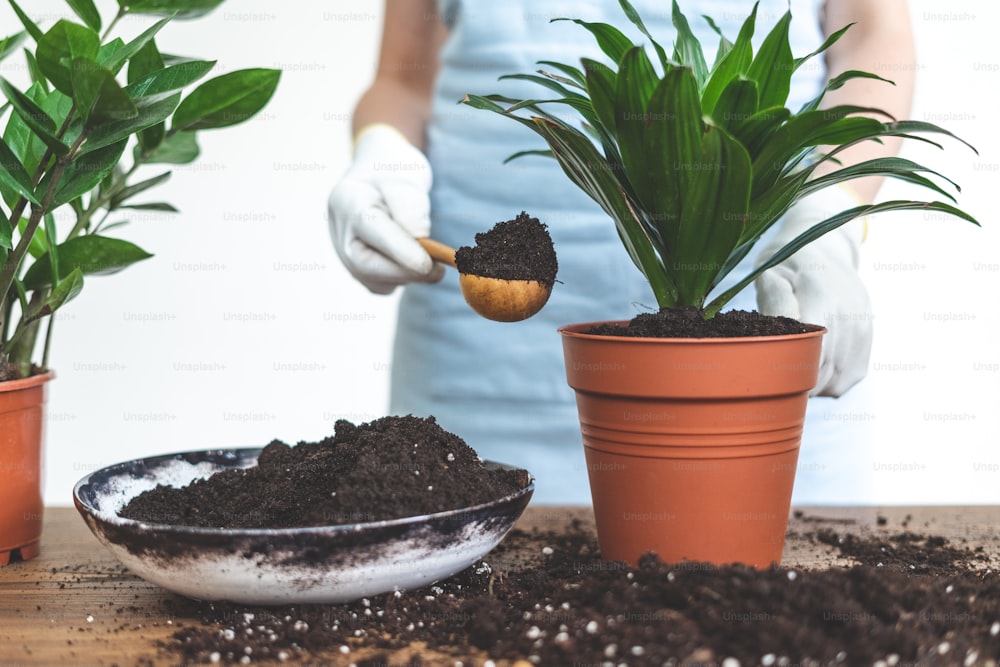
x=75, y=605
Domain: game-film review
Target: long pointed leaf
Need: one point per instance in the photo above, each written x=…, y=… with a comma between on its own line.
x=632, y=15
x=87, y=12
x=610, y=39
x=34, y=117
x=8, y=44
x=687, y=48
x=13, y=176
x=772, y=66
x=29, y=25
x=735, y=63
x=712, y=219
x=828, y=225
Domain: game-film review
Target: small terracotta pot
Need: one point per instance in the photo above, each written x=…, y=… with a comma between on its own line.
x=691, y=444
x=22, y=419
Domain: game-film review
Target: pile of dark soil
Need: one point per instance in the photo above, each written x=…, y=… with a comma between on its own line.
x=389, y=468
x=565, y=606
x=518, y=249
x=690, y=323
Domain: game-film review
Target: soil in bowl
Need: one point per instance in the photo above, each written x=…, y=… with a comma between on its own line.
x=518, y=249
x=389, y=468
x=690, y=323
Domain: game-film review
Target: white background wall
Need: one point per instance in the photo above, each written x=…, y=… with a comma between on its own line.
x=245, y=327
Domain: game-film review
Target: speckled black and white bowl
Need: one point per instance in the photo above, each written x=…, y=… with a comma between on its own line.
x=325, y=564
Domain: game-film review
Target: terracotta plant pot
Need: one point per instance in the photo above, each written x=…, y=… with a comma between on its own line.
x=691, y=444
x=22, y=419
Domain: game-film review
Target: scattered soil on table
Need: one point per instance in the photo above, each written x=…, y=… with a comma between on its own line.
x=562, y=605
x=389, y=468
x=518, y=249
x=690, y=323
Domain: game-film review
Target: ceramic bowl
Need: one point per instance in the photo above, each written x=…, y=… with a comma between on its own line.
x=325, y=564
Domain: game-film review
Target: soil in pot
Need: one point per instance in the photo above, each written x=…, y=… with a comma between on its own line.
x=690, y=323
x=388, y=468
x=518, y=249
x=546, y=597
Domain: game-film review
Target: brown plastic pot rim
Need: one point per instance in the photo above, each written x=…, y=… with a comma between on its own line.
x=578, y=331
x=27, y=383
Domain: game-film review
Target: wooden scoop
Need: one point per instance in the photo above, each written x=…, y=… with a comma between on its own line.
x=494, y=298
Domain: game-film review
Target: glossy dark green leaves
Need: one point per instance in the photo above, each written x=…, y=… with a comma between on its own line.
x=182, y=9
x=91, y=254
x=226, y=100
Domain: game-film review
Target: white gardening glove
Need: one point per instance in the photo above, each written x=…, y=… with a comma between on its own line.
x=379, y=208
x=820, y=285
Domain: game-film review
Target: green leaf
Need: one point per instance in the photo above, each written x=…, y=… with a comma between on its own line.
x=149, y=115
x=137, y=188
x=99, y=97
x=85, y=173
x=29, y=25
x=180, y=148
x=673, y=146
x=687, y=48
x=773, y=65
x=37, y=246
x=182, y=9
x=634, y=86
x=8, y=44
x=737, y=104
x=60, y=46
x=572, y=72
x=65, y=291
x=6, y=236
x=610, y=39
x=136, y=45
x=830, y=41
x=547, y=81
x=13, y=177
x=28, y=148
x=34, y=117
x=166, y=81
x=34, y=71
x=163, y=207
x=91, y=254
x=601, y=88
x=226, y=100
x=713, y=215
x=87, y=12
x=734, y=64
x=144, y=62
x=632, y=15
x=828, y=225
x=582, y=163
x=838, y=82
x=107, y=55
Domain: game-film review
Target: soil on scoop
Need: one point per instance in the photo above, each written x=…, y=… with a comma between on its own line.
x=389, y=468
x=690, y=323
x=518, y=249
x=564, y=606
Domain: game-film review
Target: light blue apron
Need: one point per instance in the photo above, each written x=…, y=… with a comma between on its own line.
x=502, y=386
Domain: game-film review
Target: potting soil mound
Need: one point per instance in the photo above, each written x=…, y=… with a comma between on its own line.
x=568, y=607
x=518, y=249
x=389, y=468
x=690, y=323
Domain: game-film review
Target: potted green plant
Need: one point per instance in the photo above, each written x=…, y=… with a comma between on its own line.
x=95, y=111
x=692, y=443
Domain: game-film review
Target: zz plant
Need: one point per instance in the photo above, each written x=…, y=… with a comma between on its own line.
x=91, y=100
x=695, y=162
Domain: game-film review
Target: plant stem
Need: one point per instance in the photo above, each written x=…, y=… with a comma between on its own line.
x=122, y=11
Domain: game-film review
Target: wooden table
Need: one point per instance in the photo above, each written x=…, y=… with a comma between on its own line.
x=75, y=605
